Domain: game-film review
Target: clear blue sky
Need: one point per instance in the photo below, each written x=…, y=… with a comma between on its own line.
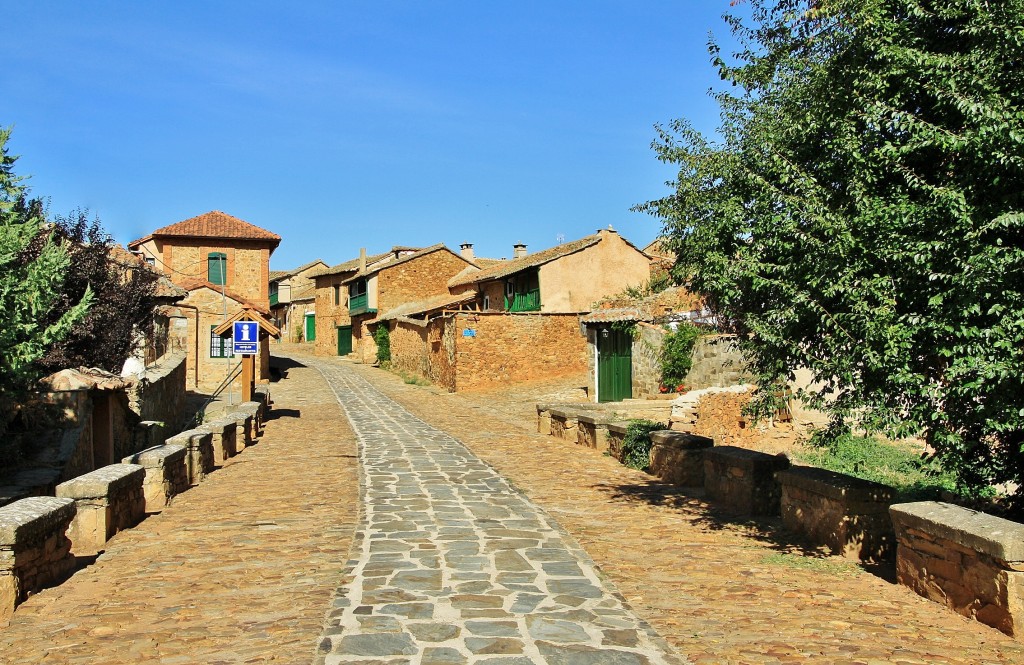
x=342, y=125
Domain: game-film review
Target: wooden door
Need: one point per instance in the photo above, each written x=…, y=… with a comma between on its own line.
x=310, y=328
x=614, y=365
x=344, y=340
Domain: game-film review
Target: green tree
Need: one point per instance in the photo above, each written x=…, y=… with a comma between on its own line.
x=861, y=215
x=29, y=289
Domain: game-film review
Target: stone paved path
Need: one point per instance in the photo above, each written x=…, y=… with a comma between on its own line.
x=453, y=565
x=240, y=569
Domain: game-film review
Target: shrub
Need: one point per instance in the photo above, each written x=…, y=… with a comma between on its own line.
x=677, y=354
x=382, y=336
x=636, y=445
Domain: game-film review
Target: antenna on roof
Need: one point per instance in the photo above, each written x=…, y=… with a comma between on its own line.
x=560, y=238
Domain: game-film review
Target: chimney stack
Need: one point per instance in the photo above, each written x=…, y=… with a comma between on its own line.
x=466, y=250
x=362, y=259
x=518, y=250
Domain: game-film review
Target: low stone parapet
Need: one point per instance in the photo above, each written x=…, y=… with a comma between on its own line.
x=261, y=394
x=108, y=500
x=971, y=562
x=166, y=470
x=743, y=480
x=678, y=457
x=848, y=515
x=255, y=411
x=35, y=552
x=563, y=425
x=244, y=430
x=223, y=431
x=592, y=432
x=616, y=435
x=199, y=460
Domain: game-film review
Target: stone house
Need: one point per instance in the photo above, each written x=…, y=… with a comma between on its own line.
x=291, y=294
x=568, y=278
x=223, y=263
x=515, y=320
x=332, y=331
x=403, y=278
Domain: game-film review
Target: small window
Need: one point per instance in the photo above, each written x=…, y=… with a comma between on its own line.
x=510, y=288
x=487, y=303
x=337, y=294
x=220, y=347
x=151, y=261
x=217, y=268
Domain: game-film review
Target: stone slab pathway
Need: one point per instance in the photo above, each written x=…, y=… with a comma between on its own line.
x=453, y=565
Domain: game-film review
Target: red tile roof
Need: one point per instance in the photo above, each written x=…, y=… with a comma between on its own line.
x=213, y=224
x=191, y=284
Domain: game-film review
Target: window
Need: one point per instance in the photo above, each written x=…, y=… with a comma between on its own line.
x=151, y=261
x=217, y=267
x=337, y=294
x=487, y=303
x=220, y=347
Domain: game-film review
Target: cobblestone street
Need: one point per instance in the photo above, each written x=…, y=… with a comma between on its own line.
x=455, y=566
x=270, y=561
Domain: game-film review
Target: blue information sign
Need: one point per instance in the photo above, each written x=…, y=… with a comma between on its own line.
x=246, y=338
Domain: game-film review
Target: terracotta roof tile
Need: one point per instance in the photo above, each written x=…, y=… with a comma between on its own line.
x=213, y=224
x=191, y=284
x=512, y=266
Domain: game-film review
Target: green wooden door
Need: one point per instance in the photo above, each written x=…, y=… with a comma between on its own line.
x=310, y=328
x=344, y=340
x=614, y=365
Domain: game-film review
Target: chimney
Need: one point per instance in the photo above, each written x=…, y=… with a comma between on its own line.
x=362, y=259
x=466, y=250
x=518, y=250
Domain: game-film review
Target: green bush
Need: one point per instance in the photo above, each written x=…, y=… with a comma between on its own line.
x=636, y=445
x=677, y=353
x=382, y=337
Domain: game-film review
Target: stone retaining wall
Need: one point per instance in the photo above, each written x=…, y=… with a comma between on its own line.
x=199, y=458
x=244, y=430
x=158, y=393
x=592, y=432
x=678, y=458
x=35, y=553
x=108, y=500
x=223, y=433
x=166, y=469
x=971, y=562
x=743, y=480
x=848, y=515
x=563, y=425
x=616, y=435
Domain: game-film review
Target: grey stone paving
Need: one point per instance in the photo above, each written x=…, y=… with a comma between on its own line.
x=452, y=565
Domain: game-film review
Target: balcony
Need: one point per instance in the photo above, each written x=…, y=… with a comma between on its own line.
x=273, y=299
x=527, y=301
x=359, y=305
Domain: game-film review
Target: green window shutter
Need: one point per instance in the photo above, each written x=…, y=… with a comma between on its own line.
x=217, y=268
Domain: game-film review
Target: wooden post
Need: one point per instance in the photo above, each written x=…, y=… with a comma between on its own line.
x=248, y=374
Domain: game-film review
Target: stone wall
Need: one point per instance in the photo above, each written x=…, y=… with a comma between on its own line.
x=248, y=263
x=166, y=474
x=441, y=352
x=717, y=362
x=159, y=392
x=409, y=348
x=35, y=553
x=646, y=362
x=970, y=562
x=498, y=349
x=848, y=515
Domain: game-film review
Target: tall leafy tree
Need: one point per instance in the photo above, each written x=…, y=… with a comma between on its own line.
x=31, y=315
x=861, y=214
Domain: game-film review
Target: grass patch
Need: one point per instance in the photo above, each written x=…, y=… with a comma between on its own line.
x=913, y=474
x=809, y=563
x=414, y=379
